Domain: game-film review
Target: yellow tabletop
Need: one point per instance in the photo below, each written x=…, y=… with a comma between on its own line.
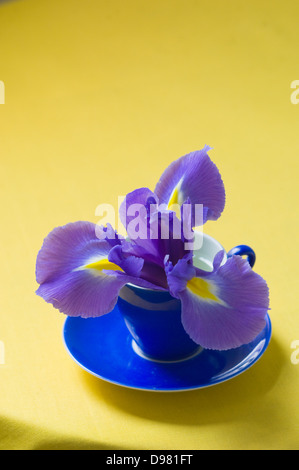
x=98, y=98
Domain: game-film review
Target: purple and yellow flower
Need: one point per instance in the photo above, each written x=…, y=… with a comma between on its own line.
x=77, y=273
x=221, y=309
x=82, y=267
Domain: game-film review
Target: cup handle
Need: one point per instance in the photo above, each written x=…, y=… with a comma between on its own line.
x=243, y=250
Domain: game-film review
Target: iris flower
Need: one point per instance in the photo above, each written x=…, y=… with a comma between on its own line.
x=82, y=267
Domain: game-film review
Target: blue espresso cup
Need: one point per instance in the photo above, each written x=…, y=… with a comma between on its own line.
x=153, y=317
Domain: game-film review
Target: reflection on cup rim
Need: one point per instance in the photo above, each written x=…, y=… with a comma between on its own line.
x=140, y=353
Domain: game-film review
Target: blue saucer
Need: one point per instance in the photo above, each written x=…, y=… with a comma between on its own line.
x=103, y=347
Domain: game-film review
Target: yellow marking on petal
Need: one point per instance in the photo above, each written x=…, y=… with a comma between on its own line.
x=202, y=289
x=175, y=200
x=103, y=264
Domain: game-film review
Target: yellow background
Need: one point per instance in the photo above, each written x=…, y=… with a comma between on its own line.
x=101, y=96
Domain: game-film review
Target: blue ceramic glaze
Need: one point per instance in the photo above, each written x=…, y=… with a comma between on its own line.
x=142, y=344
x=154, y=321
x=103, y=347
x=154, y=317
x=243, y=250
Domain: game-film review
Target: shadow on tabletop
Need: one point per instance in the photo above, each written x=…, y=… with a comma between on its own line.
x=7, y=1
x=240, y=397
x=18, y=435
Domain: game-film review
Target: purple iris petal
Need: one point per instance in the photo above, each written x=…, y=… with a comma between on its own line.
x=218, y=260
x=109, y=234
x=137, y=201
x=68, y=247
x=152, y=272
x=197, y=177
x=178, y=275
x=167, y=238
x=132, y=265
x=74, y=272
x=223, y=309
x=159, y=233
x=82, y=267
x=83, y=294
